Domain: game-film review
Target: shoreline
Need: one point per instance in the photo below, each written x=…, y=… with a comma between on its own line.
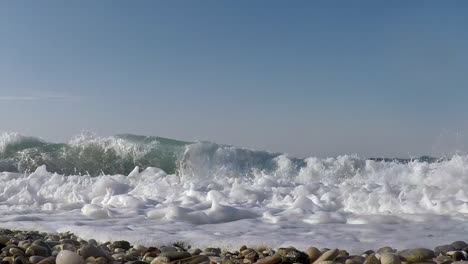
x=24, y=247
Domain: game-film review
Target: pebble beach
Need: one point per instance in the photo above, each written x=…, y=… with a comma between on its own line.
x=33, y=247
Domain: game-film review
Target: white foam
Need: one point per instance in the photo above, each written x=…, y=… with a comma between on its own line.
x=338, y=202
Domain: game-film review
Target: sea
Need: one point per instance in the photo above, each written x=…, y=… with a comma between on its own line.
x=154, y=191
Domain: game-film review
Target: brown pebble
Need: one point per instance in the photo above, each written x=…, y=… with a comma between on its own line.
x=269, y=260
x=328, y=255
x=371, y=259
x=313, y=254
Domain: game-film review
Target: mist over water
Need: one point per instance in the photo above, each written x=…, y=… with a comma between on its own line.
x=162, y=189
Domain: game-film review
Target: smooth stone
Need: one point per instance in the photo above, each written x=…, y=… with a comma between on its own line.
x=148, y=259
x=8, y=259
x=20, y=260
x=131, y=256
x=359, y=259
x=35, y=259
x=386, y=250
x=459, y=245
x=92, y=251
x=167, y=257
x=4, y=239
x=389, y=258
x=90, y=260
x=122, y=244
x=43, y=244
x=140, y=248
x=196, y=251
x=443, y=249
x=150, y=256
x=16, y=251
x=229, y=261
x=270, y=260
x=49, y=260
x=372, y=259
x=443, y=259
x=416, y=255
x=118, y=256
x=192, y=260
x=119, y=250
x=37, y=250
x=168, y=249
x=101, y=260
x=352, y=261
x=292, y=255
x=458, y=256
x=313, y=254
x=326, y=262
x=68, y=257
x=51, y=244
x=24, y=244
x=342, y=259
x=328, y=255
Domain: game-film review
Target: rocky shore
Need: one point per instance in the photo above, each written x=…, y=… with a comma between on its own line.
x=25, y=247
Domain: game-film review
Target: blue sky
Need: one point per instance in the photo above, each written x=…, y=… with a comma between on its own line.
x=320, y=78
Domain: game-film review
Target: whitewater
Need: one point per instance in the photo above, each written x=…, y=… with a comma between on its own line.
x=151, y=190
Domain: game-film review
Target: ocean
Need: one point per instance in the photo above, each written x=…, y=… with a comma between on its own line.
x=152, y=190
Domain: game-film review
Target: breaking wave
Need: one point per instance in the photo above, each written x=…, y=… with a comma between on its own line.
x=88, y=154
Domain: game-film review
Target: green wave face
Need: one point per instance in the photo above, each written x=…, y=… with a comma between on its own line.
x=91, y=155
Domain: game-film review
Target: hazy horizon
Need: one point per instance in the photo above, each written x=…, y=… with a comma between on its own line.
x=374, y=78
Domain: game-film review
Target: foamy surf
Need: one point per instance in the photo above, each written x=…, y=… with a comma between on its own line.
x=221, y=195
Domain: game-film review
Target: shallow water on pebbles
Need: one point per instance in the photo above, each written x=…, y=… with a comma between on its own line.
x=340, y=202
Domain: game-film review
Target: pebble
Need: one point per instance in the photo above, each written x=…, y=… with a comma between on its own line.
x=443, y=249
x=372, y=259
x=292, y=255
x=389, y=258
x=416, y=255
x=328, y=255
x=68, y=257
x=125, y=245
x=386, y=250
x=270, y=260
x=19, y=247
x=459, y=245
x=313, y=254
x=167, y=257
x=91, y=251
x=35, y=259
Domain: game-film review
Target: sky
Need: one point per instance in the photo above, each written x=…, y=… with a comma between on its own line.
x=309, y=78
